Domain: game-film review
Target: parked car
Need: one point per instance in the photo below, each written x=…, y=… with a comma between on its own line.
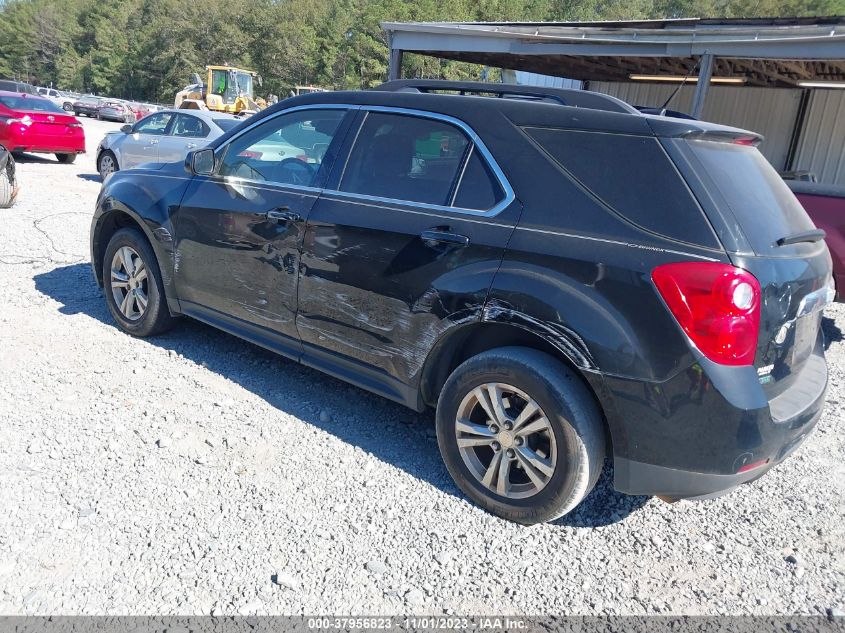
x=161, y=137
x=825, y=204
x=140, y=110
x=33, y=124
x=61, y=99
x=88, y=105
x=560, y=282
x=21, y=87
x=116, y=110
x=8, y=180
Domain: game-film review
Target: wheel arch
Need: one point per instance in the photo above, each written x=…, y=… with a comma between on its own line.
x=466, y=341
x=120, y=217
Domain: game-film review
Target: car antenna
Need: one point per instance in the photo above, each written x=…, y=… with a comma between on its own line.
x=680, y=85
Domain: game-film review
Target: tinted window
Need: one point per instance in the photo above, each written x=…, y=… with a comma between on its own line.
x=287, y=149
x=154, y=124
x=478, y=188
x=762, y=203
x=633, y=176
x=189, y=126
x=227, y=124
x=30, y=104
x=405, y=158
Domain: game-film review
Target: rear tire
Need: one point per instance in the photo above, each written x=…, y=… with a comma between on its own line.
x=550, y=460
x=67, y=107
x=8, y=181
x=66, y=159
x=128, y=251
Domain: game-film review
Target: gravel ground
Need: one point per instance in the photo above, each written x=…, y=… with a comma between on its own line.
x=194, y=474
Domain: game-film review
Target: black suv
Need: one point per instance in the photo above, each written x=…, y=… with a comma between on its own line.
x=561, y=276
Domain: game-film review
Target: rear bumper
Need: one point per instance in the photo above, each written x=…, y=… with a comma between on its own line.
x=717, y=439
x=46, y=144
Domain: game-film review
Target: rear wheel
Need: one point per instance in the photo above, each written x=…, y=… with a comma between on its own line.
x=67, y=107
x=107, y=164
x=133, y=286
x=66, y=158
x=8, y=182
x=520, y=434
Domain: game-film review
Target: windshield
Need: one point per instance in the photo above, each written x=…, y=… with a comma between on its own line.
x=763, y=205
x=30, y=104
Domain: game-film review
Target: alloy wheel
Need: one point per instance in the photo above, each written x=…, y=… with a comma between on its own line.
x=129, y=283
x=506, y=440
x=107, y=165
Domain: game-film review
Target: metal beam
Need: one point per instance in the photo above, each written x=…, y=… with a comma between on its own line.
x=394, y=70
x=705, y=72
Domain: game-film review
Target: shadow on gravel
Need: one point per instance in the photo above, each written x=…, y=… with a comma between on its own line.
x=89, y=177
x=407, y=441
x=32, y=158
x=832, y=333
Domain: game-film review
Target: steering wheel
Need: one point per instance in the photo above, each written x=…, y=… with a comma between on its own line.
x=294, y=171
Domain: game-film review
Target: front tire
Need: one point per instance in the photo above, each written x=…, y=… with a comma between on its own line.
x=66, y=159
x=133, y=286
x=107, y=164
x=520, y=434
x=67, y=107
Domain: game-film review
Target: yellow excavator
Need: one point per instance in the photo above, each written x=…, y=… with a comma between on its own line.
x=226, y=89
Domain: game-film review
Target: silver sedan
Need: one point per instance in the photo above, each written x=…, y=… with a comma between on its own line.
x=162, y=137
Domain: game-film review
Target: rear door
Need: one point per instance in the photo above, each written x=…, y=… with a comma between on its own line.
x=405, y=240
x=187, y=132
x=142, y=144
x=767, y=232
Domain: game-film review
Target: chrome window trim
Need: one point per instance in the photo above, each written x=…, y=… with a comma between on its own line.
x=506, y=201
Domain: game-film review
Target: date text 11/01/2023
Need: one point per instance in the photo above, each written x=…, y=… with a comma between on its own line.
x=445, y=623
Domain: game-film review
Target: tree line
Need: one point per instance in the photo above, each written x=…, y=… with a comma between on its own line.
x=148, y=49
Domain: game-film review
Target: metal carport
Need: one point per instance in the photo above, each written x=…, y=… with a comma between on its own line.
x=799, y=61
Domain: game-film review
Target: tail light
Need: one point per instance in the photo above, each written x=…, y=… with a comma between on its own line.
x=24, y=120
x=717, y=305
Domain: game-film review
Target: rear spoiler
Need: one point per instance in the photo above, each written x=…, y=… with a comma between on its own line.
x=735, y=137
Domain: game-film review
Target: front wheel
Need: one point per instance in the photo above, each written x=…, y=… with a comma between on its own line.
x=107, y=164
x=133, y=285
x=67, y=107
x=520, y=434
x=66, y=159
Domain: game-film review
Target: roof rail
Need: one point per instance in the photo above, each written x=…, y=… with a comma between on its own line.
x=562, y=96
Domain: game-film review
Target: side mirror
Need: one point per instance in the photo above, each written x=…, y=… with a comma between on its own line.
x=126, y=129
x=202, y=162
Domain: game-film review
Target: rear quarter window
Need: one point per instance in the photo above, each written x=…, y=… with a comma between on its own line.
x=632, y=175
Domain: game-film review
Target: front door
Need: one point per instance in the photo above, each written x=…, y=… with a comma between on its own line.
x=142, y=146
x=405, y=243
x=239, y=231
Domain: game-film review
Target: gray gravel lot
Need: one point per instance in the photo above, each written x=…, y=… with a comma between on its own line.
x=194, y=474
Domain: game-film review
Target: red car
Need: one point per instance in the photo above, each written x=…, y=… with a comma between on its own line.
x=32, y=124
x=825, y=204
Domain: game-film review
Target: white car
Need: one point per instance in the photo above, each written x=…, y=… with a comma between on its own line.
x=161, y=137
x=60, y=98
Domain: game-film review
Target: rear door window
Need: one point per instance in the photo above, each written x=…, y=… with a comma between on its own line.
x=478, y=188
x=405, y=157
x=633, y=176
x=761, y=202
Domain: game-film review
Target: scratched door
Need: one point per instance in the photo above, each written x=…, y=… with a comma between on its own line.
x=382, y=276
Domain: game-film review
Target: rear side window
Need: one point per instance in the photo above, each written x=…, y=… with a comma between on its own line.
x=762, y=203
x=405, y=158
x=632, y=175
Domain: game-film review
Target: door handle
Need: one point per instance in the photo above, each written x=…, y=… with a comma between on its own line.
x=443, y=236
x=283, y=214
x=154, y=141
x=190, y=145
